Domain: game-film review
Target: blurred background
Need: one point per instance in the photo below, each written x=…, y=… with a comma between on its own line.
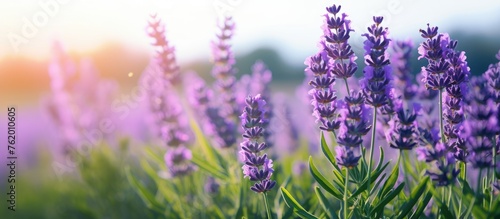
x=111, y=35
x=281, y=33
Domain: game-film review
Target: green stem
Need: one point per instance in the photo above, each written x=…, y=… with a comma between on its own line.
x=268, y=209
x=372, y=144
x=463, y=174
x=493, y=172
x=403, y=159
x=345, y=192
x=441, y=126
x=449, y=196
x=347, y=87
x=479, y=180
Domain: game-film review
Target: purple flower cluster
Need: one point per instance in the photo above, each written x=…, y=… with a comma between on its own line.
x=403, y=128
x=164, y=56
x=447, y=71
x=334, y=60
x=443, y=173
x=377, y=73
x=223, y=70
x=323, y=95
x=493, y=75
x=257, y=166
x=400, y=63
x=261, y=78
x=222, y=130
x=481, y=125
x=337, y=31
x=354, y=117
x=164, y=105
x=76, y=106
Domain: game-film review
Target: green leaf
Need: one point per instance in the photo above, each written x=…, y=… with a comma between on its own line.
x=414, y=197
x=421, y=206
x=212, y=155
x=446, y=212
x=292, y=203
x=323, y=201
x=154, y=155
x=381, y=159
x=364, y=184
x=214, y=171
x=383, y=202
x=323, y=182
x=327, y=152
x=143, y=192
x=391, y=181
x=241, y=205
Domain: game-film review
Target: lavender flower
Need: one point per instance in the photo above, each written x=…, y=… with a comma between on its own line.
x=77, y=105
x=286, y=135
x=493, y=77
x=164, y=105
x=447, y=71
x=222, y=130
x=257, y=166
x=403, y=129
x=434, y=49
x=261, y=78
x=164, y=57
x=401, y=68
x=354, y=117
x=377, y=74
x=323, y=95
x=178, y=161
x=345, y=157
x=444, y=172
x=336, y=34
x=211, y=186
x=223, y=70
x=481, y=124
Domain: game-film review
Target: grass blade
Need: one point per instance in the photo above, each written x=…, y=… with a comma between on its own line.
x=330, y=188
x=292, y=203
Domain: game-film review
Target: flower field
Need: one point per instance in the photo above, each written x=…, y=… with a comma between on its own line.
x=377, y=128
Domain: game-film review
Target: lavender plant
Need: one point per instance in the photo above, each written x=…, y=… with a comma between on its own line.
x=257, y=167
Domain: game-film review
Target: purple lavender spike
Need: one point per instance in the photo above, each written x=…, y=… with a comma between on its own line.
x=377, y=73
x=165, y=53
x=257, y=166
x=223, y=70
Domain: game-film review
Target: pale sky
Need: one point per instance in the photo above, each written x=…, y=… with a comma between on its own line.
x=291, y=25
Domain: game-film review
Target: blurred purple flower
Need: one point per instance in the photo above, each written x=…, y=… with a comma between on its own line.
x=400, y=63
x=178, y=161
x=79, y=106
x=444, y=172
x=403, y=130
x=166, y=109
x=211, y=186
x=223, y=70
x=165, y=53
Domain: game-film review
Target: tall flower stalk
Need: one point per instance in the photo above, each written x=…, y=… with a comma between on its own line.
x=164, y=105
x=376, y=83
x=258, y=167
x=447, y=72
x=337, y=29
x=223, y=70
